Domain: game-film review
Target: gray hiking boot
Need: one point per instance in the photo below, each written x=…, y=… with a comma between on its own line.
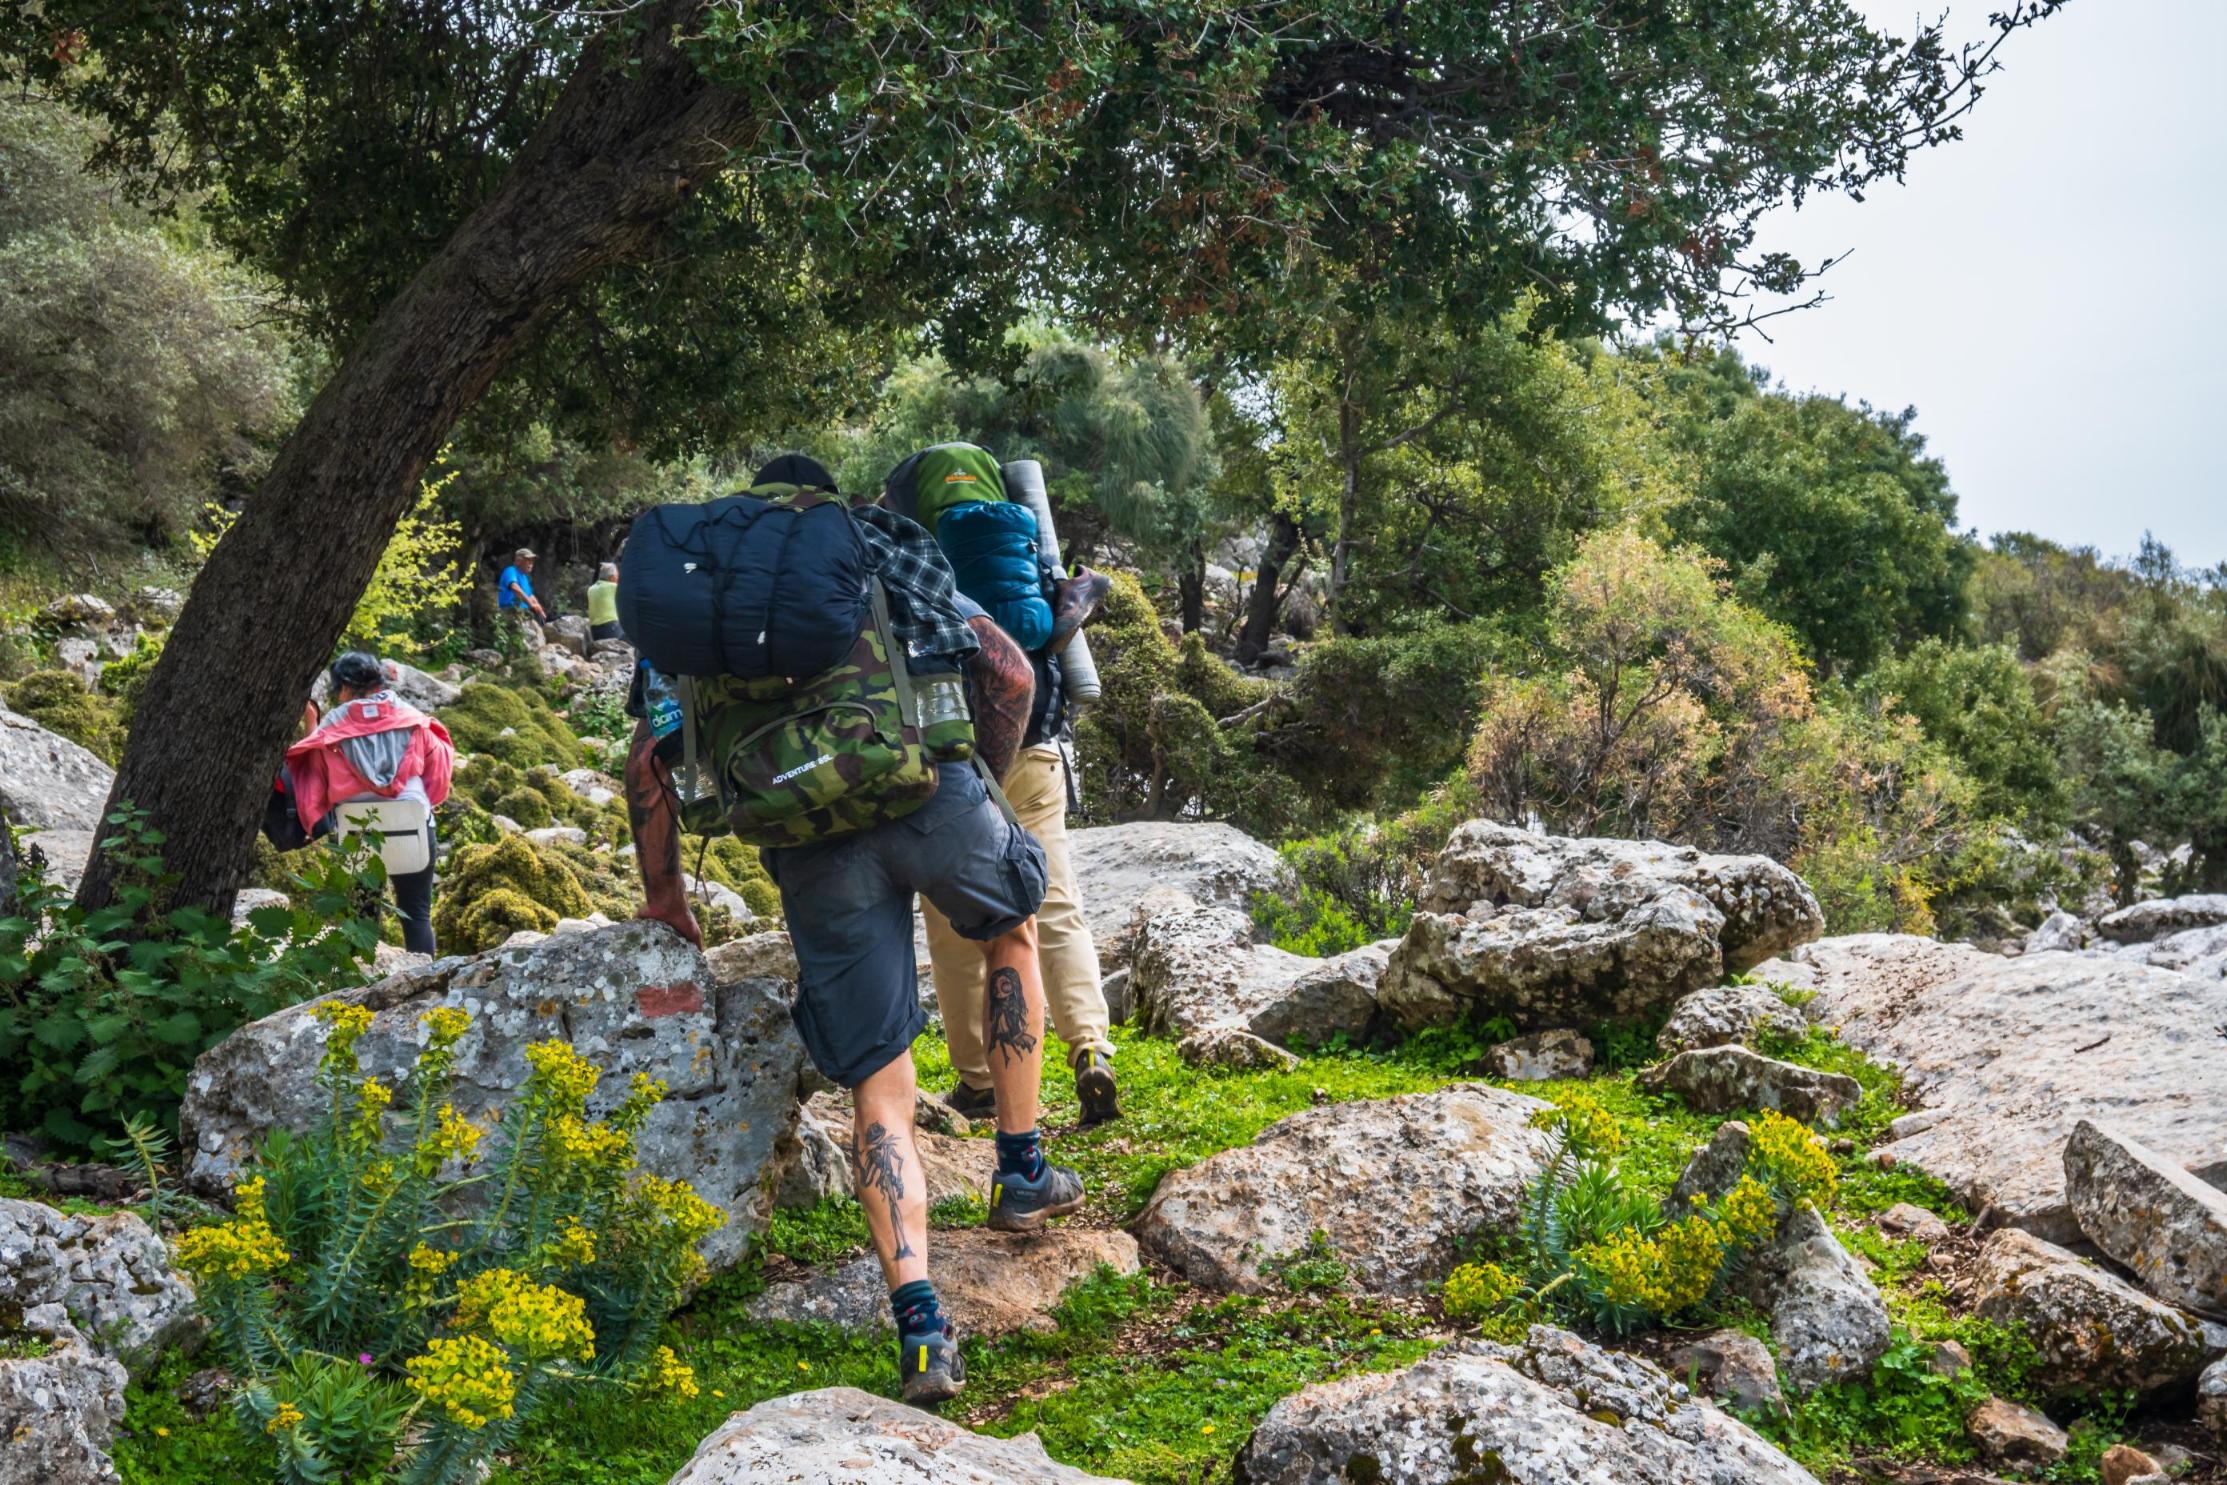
x=1096, y=1090
x=1018, y=1204
x=929, y=1367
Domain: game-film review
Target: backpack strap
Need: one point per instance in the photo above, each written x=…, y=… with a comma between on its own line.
x=997, y=794
x=691, y=759
x=899, y=661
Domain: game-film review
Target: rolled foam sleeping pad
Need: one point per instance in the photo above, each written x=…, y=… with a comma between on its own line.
x=1024, y=481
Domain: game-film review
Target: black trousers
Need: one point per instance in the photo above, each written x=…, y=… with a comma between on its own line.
x=413, y=894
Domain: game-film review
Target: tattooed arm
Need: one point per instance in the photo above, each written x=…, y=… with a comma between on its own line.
x=1004, y=691
x=649, y=814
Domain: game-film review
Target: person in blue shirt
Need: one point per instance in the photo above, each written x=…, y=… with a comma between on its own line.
x=514, y=590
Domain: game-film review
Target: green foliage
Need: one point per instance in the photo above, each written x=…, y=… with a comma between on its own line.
x=492, y=891
x=734, y=865
x=102, y=1014
x=1980, y=705
x=1905, y=1410
x=379, y=1269
x=1314, y=1267
x=58, y=701
x=512, y=725
x=139, y=370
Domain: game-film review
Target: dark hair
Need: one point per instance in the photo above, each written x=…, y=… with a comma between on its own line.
x=795, y=469
x=357, y=671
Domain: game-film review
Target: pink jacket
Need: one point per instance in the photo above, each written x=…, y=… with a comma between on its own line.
x=354, y=754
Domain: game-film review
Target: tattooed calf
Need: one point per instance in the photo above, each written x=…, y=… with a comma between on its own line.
x=881, y=1168
x=1005, y=1012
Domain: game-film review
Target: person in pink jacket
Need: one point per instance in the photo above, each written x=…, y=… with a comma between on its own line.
x=372, y=746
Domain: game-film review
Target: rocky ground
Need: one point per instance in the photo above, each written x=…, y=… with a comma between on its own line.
x=2023, y=1270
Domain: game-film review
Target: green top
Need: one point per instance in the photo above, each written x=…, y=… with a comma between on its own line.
x=603, y=603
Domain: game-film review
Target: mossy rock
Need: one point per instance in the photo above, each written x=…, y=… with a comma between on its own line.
x=734, y=865
x=513, y=726
x=58, y=701
x=529, y=807
x=492, y=891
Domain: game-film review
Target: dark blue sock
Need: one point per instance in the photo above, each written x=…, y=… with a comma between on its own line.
x=1021, y=1154
x=915, y=1308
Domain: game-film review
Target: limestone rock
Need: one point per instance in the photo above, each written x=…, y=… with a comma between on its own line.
x=1713, y=1170
x=2015, y=1437
x=2211, y=1401
x=2060, y=930
x=2160, y=916
x=558, y=835
x=1905, y=1220
x=1557, y=931
x=631, y=998
x=1397, y=1186
x=1727, y=1015
x=754, y=956
x=596, y=788
x=1215, y=865
x=59, y=1409
x=2091, y=1329
x=1717, y=1080
x=1541, y=1057
x=111, y=1275
x=840, y=1433
x=428, y=693
x=2006, y=1055
x=1196, y=968
x=2162, y=1224
x=1733, y=1367
x=716, y=897
x=1826, y=1315
x=2200, y=952
x=2123, y=1464
x=1553, y=1411
x=48, y=782
x=992, y=1283
x=84, y=612
x=818, y=1163
x=1232, y=1046
x=1328, y=997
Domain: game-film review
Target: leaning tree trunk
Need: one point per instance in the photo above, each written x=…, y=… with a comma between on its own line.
x=627, y=141
x=1265, y=603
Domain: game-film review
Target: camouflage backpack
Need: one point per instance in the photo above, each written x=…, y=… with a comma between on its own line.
x=785, y=763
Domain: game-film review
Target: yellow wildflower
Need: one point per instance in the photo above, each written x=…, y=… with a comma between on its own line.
x=427, y=1260
x=380, y=1177
x=247, y=1200
x=288, y=1416
x=454, y=1136
x=1787, y=1154
x=344, y=1025
x=230, y=1250
x=573, y=1246
x=466, y=1377
x=583, y=1143
x=679, y=1208
x=445, y=1026
x=1475, y=1288
x=643, y=1094
x=674, y=1375
x=373, y=1099
x=1585, y=1127
x=538, y=1321
x=565, y=1073
x=1750, y=1211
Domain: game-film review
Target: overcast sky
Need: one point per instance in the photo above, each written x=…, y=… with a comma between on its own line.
x=2050, y=291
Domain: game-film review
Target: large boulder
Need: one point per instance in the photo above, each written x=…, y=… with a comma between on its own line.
x=2160, y=916
x=2090, y=1329
x=111, y=1275
x=816, y=1163
x=992, y=1283
x=60, y=1402
x=48, y=782
x=630, y=998
x=1554, y=931
x=1196, y=968
x=1718, y=1080
x=840, y=1433
x=2149, y=1214
x=1397, y=1187
x=2201, y=952
x=428, y=693
x=1213, y=864
x=1725, y=1016
x=2005, y=1056
x=1553, y=1411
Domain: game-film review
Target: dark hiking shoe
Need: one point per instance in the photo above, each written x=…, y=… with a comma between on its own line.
x=971, y=1103
x=1096, y=1090
x=929, y=1368
x=1074, y=600
x=1018, y=1204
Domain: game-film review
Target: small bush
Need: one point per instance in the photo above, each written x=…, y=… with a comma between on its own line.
x=513, y=726
x=102, y=1014
x=58, y=701
x=379, y=1269
x=493, y=891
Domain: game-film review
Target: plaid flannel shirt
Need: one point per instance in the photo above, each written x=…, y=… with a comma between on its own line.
x=923, y=598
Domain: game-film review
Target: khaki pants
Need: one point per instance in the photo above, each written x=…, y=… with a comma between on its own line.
x=1037, y=790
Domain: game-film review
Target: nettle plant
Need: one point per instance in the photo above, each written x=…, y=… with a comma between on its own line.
x=1595, y=1249
x=403, y=1289
x=102, y=1013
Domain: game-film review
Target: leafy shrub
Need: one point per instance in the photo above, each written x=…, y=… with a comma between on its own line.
x=1359, y=883
x=381, y=1268
x=512, y=725
x=123, y=676
x=58, y=701
x=102, y=1014
x=493, y=891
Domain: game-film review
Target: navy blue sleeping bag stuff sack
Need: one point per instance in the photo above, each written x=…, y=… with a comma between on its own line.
x=769, y=583
x=993, y=547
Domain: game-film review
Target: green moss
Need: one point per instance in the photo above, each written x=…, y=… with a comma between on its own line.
x=735, y=865
x=529, y=807
x=58, y=701
x=513, y=726
x=493, y=891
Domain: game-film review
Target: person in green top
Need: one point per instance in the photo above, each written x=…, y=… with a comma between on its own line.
x=603, y=603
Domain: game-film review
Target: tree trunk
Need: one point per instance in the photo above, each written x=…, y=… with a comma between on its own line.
x=628, y=140
x=1191, y=588
x=1349, y=505
x=1265, y=604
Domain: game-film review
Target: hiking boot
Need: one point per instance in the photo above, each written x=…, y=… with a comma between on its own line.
x=1096, y=1090
x=1018, y=1204
x=971, y=1103
x=929, y=1367
x=1074, y=600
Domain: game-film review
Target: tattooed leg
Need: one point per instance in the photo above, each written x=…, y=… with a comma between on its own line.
x=1013, y=1026
x=887, y=1163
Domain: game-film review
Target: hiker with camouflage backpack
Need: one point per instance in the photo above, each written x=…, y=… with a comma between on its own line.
x=805, y=684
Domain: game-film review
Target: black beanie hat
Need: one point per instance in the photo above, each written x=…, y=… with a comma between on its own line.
x=795, y=469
